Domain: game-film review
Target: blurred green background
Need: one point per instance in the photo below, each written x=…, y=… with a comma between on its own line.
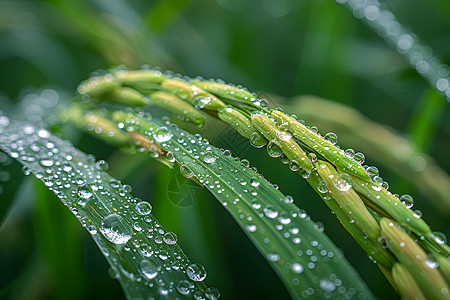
x=280, y=49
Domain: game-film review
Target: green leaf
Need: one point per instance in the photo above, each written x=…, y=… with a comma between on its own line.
x=143, y=256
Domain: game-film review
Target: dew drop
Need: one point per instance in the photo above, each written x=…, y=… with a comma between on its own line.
x=270, y=212
x=439, y=237
x=331, y=137
x=327, y=285
x=273, y=150
x=251, y=228
x=196, y=272
x=212, y=293
x=84, y=191
x=350, y=153
x=294, y=166
x=102, y=165
x=115, y=230
x=407, y=200
x=431, y=261
x=254, y=182
x=288, y=199
x=186, y=171
x=297, y=268
x=149, y=269
x=144, y=208
x=273, y=257
x=170, y=238
x=170, y=157
x=26, y=171
x=342, y=185
x=312, y=157
x=183, y=287
x=359, y=158
x=162, y=134
x=283, y=135
x=322, y=187
x=372, y=171
x=209, y=157
x=256, y=140
x=46, y=162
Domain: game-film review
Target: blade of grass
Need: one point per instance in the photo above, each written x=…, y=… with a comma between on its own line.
x=143, y=256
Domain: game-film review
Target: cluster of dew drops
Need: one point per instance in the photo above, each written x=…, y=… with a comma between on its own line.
x=104, y=204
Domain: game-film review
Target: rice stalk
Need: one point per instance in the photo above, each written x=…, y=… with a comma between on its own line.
x=357, y=195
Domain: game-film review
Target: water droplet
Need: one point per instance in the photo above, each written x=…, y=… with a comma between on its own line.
x=209, y=157
x=84, y=191
x=273, y=257
x=144, y=208
x=162, y=134
x=212, y=293
x=294, y=166
x=256, y=140
x=312, y=157
x=170, y=157
x=186, y=171
x=439, y=237
x=26, y=171
x=349, y=153
x=245, y=162
x=372, y=171
x=283, y=135
x=297, y=268
x=102, y=165
x=322, y=187
x=407, y=200
x=196, y=272
x=184, y=287
x=67, y=168
x=331, y=137
x=288, y=199
x=342, y=185
x=359, y=158
x=254, y=182
x=115, y=229
x=327, y=285
x=170, y=238
x=284, y=218
x=418, y=214
x=304, y=172
x=148, y=269
x=46, y=163
x=251, y=227
x=273, y=150
x=431, y=261
x=270, y=212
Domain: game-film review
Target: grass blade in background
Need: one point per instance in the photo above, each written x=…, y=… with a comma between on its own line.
x=143, y=256
x=421, y=57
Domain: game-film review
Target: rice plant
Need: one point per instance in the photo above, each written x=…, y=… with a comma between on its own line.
x=159, y=135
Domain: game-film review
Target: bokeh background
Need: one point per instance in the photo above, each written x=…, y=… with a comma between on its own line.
x=280, y=49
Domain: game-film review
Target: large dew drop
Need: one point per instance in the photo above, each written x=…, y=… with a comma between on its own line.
x=144, y=208
x=115, y=230
x=196, y=272
x=162, y=134
x=148, y=269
